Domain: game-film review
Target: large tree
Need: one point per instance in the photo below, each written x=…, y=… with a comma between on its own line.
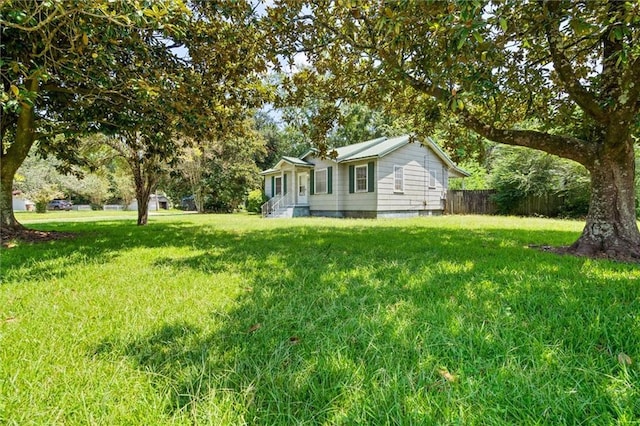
x=573, y=67
x=218, y=173
x=63, y=61
x=147, y=72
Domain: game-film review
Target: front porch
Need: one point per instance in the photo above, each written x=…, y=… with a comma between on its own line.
x=287, y=186
x=283, y=207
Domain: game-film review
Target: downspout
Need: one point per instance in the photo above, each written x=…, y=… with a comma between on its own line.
x=424, y=186
x=336, y=189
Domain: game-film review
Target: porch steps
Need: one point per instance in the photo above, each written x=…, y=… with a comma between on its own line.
x=289, y=211
x=283, y=212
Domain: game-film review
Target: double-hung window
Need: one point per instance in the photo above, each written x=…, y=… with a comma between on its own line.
x=320, y=181
x=398, y=179
x=361, y=178
x=432, y=178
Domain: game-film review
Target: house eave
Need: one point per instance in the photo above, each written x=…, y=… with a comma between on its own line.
x=354, y=160
x=445, y=158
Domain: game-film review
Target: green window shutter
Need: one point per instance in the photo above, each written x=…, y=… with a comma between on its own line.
x=273, y=186
x=352, y=172
x=370, y=175
x=284, y=184
x=330, y=180
x=312, y=179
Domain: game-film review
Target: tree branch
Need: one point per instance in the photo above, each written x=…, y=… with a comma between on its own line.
x=563, y=146
x=631, y=88
x=103, y=94
x=562, y=65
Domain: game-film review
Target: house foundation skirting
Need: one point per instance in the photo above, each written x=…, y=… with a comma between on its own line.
x=407, y=214
x=372, y=214
x=301, y=211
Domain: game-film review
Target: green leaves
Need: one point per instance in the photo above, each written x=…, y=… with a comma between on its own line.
x=503, y=24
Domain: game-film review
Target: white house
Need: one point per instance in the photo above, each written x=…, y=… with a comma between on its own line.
x=384, y=177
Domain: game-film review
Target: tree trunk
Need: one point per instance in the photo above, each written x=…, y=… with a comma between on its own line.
x=143, y=207
x=611, y=229
x=6, y=197
x=13, y=157
x=198, y=199
x=144, y=188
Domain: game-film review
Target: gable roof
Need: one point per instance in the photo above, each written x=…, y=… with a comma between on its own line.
x=378, y=148
x=374, y=148
x=291, y=160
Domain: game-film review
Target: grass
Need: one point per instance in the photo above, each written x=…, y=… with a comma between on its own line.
x=231, y=319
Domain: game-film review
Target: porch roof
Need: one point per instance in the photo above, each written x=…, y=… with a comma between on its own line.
x=295, y=161
x=290, y=160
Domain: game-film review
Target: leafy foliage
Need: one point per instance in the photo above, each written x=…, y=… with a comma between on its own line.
x=218, y=173
x=148, y=73
x=517, y=173
x=479, y=178
x=255, y=199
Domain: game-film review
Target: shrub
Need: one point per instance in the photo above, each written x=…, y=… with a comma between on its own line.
x=41, y=206
x=255, y=200
x=520, y=173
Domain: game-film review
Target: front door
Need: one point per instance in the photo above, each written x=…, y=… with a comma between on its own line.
x=303, y=179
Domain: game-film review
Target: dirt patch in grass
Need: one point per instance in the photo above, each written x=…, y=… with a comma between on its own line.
x=568, y=251
x=8, y=237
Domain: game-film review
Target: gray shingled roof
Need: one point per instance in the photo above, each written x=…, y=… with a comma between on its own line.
x=374, y=148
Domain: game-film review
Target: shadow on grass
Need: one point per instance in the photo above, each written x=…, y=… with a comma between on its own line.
x=387, y=325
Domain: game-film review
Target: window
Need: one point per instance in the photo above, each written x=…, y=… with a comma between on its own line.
x=361, y=178
x=321, y=181
x=432, y=178
x=278, y=185
x=398, y=179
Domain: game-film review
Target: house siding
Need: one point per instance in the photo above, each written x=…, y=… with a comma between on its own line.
x=323, y=202
x=267, y=184
x=416, y=161
x=287, y=180
x=360, y=202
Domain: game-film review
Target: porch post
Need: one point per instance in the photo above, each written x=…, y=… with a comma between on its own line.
x=294, y=186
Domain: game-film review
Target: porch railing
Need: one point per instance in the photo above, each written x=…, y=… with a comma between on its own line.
x=276, y=203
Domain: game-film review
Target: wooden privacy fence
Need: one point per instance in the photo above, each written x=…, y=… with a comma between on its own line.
x=471, y=202
x=481, y=202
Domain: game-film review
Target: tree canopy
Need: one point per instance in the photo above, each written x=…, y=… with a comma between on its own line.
x=145, y=71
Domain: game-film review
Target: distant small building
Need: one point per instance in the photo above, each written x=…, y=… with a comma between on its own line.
x=156, y=202
x=21, y=203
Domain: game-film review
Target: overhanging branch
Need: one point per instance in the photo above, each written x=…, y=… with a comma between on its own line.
x=565, y=71
x=562, y=146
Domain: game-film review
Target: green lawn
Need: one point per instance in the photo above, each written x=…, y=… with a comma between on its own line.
x=232, y=319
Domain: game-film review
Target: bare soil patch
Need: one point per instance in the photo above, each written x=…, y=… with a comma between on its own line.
x=8, y=237
x=568, y=251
